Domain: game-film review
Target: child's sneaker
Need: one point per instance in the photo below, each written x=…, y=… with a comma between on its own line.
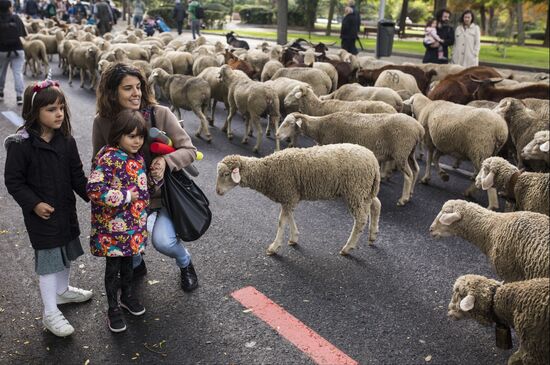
x=19, y=100
x=73, y=295
x=132, y=305
x=57, y=324
x=116, y=320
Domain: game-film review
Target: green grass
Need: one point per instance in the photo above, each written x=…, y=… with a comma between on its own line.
x=515, y=55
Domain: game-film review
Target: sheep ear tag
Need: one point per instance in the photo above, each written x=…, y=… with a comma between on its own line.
x=299, y=123
x=449, y=218
x=235, y=175
x=545, y=147
x=487, y=181
x=467, y=303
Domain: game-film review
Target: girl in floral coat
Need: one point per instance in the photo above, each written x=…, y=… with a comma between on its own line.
x=119, y=190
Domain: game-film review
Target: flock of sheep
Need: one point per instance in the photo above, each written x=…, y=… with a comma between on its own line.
x=369, y=118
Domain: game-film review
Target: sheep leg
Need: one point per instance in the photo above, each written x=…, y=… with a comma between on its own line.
x=246, y=120
x=375, y=208
x=428, y=172
x=203, y=124
x=283, y=218
x=81, y=77
x=360, y=216
x=212, y=110
x=276, y=120
x=268, y=129
x=442, y=174
x=71, y=74
x=404, y=167
x=294, y=233
x=255, y=120
x=386, y=169
x=227, y=126
x=415, y=170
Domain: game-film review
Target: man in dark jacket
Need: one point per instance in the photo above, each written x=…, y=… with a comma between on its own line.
x=179, y=15
x=446, y=32
x=11, y=49
x=31, y=9
x=348, y=32
x=104, y=16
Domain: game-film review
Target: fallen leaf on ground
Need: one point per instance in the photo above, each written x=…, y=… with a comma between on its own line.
x=250, y=344
x=152, y=282
x=428, y=358
x=87, y=362
x=247, y=310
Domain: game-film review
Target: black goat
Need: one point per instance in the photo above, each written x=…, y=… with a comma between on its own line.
x=234, y=42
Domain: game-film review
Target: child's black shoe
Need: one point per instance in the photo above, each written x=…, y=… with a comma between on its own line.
x=116, y=320
x=132, y=305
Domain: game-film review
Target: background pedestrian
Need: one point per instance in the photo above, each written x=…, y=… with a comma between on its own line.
x=139, y=10
x=446, y=32
x=195, y=17
x=179, y=15
x=348, y=32
x=467, y=41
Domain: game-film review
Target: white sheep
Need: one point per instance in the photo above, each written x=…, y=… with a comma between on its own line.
x=187, y=92
x=391, y=137
x=538, y=147
x=455, y=130
x=523, y=123
x=284, y=86
x=522, y=305
x=528, y=190
x=302, y=99
x=516, y=243
x=85, y=59
x=317, y=79
x=287, y=177
x=404, y=84
x=252, y=99
x=356, y=91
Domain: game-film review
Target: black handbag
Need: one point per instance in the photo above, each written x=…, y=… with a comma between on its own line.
x=186, y=204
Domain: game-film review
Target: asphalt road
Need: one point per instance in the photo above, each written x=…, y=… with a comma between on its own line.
x=384, y=304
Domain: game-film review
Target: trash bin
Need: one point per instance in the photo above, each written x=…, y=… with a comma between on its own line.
x=384, y=38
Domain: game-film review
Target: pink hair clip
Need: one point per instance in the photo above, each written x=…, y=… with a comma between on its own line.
x=41, y=85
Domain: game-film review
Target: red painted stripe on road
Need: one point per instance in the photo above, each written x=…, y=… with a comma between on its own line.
x=291, y=328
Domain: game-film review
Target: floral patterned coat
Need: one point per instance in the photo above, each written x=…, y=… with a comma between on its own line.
x=118, y=228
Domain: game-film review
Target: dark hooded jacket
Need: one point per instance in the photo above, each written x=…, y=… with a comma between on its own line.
x=37, y=171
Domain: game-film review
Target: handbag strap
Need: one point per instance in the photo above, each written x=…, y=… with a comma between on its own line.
x=153, y=121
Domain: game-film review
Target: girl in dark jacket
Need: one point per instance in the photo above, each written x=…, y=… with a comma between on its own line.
x=43, y=168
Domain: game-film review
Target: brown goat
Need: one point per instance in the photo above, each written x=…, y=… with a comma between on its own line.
x=487, y=91
x=423, y=79
x=459, y=88
x=236, y=64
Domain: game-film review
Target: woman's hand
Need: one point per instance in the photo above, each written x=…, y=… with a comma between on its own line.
x=43, y=210
x=157, y=168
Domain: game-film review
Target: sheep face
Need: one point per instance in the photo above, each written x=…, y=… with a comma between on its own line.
x=473, y=298
x=290, y=127
x=228, y=177
x=292, y=100
x=486, y=176
x=442, y=226
x=538, y=147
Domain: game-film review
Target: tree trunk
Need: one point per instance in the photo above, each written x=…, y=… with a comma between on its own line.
x=439, y=4
x=521, y=30
x=547, y=32
x=282, y=21
x=493, y=21
x=483, y=19
x=310, y=9
x=511, y=22
x=403, y=17
x=330, y=16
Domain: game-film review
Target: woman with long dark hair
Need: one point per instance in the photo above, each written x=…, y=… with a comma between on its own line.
x=467, y=41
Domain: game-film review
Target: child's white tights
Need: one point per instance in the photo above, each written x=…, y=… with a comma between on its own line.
x=50, y=286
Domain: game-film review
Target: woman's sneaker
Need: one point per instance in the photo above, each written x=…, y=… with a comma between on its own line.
x=116, y=320
x=132, y=305
x=73, y=295
x=57, y=324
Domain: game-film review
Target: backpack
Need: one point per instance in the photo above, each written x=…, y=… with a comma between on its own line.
x=51, y=10
x=199, y=12
x=9, y=41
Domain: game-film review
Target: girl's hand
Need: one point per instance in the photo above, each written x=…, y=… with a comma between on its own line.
x=157, y=168
x=133, y=193
x=43, y=210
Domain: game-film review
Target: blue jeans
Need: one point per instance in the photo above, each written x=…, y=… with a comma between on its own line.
x=16, y=61
x=163, y=235
x=196, y=27
x=137, y=20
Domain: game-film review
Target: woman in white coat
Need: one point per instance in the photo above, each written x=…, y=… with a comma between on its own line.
x=466, y=47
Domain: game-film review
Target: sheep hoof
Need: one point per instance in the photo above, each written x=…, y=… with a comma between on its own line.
x=224, y=129
x=209, y=139
x=250, y=134
x=402, y=202
x=256, y=150
x=244, y=141
x=444, y=177
x=230, y=137
x=270, y=253
x=292, y=243
x=344, y=252
x=425, y=180
x=198, y=134
x=493, y=208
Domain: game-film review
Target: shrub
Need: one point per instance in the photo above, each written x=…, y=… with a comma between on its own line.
x=536, y=35
x=165, y=13
x=296, y=16
x=256, y=15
